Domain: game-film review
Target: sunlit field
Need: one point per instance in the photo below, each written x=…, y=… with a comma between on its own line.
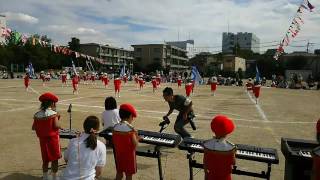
x=280, y=113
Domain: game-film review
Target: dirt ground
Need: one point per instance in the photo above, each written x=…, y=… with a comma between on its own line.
x=281, y=113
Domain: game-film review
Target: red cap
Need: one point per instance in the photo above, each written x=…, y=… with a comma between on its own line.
x=48, y=96
x=222, y=125
x=318, y=126
x=129, y=108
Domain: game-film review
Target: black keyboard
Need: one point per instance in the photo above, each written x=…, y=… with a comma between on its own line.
x=150, y=137
x=68, y=134
x=298, y=149
x=161, y=139
x=106, y=133
x=247, y=152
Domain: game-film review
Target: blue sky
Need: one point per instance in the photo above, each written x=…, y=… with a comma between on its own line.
x=123, y=23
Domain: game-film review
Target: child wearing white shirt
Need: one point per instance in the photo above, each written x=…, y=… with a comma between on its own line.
x=86, y=155
x=110, y=116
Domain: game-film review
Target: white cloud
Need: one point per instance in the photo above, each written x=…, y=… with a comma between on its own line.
x=203, y=20
x=69, y=30
x=82, y=30
x=21, y=17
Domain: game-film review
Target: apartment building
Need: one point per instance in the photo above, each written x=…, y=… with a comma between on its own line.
x=245, y=40
x=187, y=45
x=114, y=57
x=167, y=56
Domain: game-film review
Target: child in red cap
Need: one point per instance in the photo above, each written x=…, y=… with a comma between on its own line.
x=179, y=81
x=75, y=81
x=125, y=140
x=219, y=154
x=141, y=83
x=105, y=80
x=256, y=91
x=64, y=78
x=213, y=85
x=188, y=88
x=47, y=128
x=26, y=81
x=117, y=86
x=154, y=84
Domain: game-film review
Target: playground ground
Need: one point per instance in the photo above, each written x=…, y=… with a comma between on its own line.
x=280, y=113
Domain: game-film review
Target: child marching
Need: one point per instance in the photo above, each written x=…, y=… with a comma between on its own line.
x=213, y=85
x=117, y=87
x=26, y=81
x=75, y=81
x=154, y=84
x=46, y=125
x=125, y=139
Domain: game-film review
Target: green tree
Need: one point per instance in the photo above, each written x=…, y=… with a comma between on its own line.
x=240, y=73
x=153, y=67
x=74, y=44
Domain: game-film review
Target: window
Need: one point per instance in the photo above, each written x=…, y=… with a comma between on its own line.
x=139, y=49
x=156, y=50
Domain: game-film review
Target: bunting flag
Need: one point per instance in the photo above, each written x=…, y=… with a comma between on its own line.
x=18, y=37
x=294, y=28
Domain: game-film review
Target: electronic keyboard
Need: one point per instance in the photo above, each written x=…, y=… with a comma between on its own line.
x=247, y=152
x=150, y=137
x=298, y=148
x=68, y=133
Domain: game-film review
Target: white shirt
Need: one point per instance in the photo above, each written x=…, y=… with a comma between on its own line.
x=88, y=159
x=218, y=144
x=110, y=118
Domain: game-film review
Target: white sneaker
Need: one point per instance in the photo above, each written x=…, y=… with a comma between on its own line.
x=45, y=176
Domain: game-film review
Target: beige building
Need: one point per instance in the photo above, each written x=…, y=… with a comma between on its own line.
x=3, y=25
x=167, y=56
x=114, y=57
x=232, y=63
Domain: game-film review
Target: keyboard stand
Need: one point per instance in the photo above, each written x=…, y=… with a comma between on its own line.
x=153, y=154
x=194, y=164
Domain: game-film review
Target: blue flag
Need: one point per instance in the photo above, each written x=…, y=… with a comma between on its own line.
x=258, y=79
x=74, y=68
x=31, y=70
x=195, y=75
x=123, y=71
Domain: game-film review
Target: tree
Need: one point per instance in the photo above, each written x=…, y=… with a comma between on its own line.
x=153, y=67
x=74, y=44
x=240, y=73
x=296, y=62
